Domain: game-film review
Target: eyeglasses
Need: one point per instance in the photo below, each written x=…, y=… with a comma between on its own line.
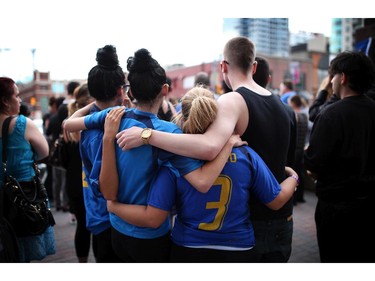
x=125, y=87
x=224, y=61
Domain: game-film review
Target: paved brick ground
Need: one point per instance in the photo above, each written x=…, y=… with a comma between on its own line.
x=305, y=249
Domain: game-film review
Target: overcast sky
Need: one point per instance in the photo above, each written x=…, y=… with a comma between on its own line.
x=66, y=34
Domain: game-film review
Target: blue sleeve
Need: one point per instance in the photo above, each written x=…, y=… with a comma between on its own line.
x=163, y=190
x=265, y=186
x=91, y=155
x=96, y=120
x=184, y=165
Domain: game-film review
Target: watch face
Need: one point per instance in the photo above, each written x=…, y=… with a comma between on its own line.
x=146, y=134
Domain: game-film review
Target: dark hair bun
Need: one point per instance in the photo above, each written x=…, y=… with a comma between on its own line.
x=107, y=57
x=141, y=62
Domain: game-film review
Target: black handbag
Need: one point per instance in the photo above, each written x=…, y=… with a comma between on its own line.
x=26, y=203
x=57, y=156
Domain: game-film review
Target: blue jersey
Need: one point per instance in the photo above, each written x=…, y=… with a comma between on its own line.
x=220, y=218
x=137, y=167
x=97, y=216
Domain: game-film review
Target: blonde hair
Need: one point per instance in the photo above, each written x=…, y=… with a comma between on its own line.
x=82, y=98
x=322, y=86
x=198, y=111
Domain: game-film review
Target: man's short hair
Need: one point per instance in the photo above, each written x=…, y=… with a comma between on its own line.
x=71, y=87
x=262, y=73
x=240, y=52
x=202, y=79
x=358, y=68
x=288, y=83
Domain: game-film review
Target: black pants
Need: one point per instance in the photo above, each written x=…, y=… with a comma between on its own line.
x=104, y=248
x=185, y=254
x=345, y=231
x=131, y=249
x=82, y=237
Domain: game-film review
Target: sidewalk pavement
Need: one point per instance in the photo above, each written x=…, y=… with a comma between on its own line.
x=304, y=247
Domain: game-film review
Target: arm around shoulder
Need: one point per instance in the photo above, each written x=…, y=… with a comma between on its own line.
x=76, y=121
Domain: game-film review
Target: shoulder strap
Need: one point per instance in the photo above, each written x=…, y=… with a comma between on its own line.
x=5, y=137
x=5, y=144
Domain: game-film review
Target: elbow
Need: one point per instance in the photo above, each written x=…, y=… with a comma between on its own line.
x=275, y=205
x=112, y=196
x=202, y=186
x=66, y=125
x=154, y=223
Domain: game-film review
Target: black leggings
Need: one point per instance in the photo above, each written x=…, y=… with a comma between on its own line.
x=104, y=249
x=82, y=236
x=131, y=249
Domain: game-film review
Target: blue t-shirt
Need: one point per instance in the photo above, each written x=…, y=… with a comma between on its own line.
x=137, y=167
x=221, y=217
x=97, y=216
x=285, y=97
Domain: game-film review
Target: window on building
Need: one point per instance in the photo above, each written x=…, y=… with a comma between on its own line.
x=43, y=76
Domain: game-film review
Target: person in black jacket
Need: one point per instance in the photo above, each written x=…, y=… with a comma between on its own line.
x=341, y=156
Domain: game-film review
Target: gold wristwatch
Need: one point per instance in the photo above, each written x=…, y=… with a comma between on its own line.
x=146, y=135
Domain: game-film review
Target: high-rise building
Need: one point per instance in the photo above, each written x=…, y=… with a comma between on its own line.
x=270, y=35
x=342, y=36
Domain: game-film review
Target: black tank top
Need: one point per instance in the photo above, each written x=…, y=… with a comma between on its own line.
x=269, y=133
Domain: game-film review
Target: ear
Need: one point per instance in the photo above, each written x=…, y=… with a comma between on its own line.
x=255, y=64
x=223, y=67
x=344, y=78
x=165, y=89
x=269, y=78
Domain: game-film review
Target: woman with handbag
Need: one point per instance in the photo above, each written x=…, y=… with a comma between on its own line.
x=26, y=144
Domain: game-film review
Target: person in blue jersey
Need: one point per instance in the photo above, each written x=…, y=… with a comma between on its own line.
x=138, y=167
x=215, y=226
x=106, y=83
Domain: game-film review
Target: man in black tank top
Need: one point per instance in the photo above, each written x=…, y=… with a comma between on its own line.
x=271, y=132
x=261, y=119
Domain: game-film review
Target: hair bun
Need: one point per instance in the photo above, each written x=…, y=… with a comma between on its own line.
x=107, y=57
x=141, y=62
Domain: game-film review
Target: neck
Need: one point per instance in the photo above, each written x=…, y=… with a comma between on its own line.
x=248, y=82
x=152, y=107
x=348, y=93
x=103, y=105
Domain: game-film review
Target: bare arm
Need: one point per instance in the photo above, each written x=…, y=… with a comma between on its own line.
x=36, y=139
x=108, y=179
x=204, y=177
x=76, y=121
x=139, y=215
x=288, y=187
x=205, y=147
